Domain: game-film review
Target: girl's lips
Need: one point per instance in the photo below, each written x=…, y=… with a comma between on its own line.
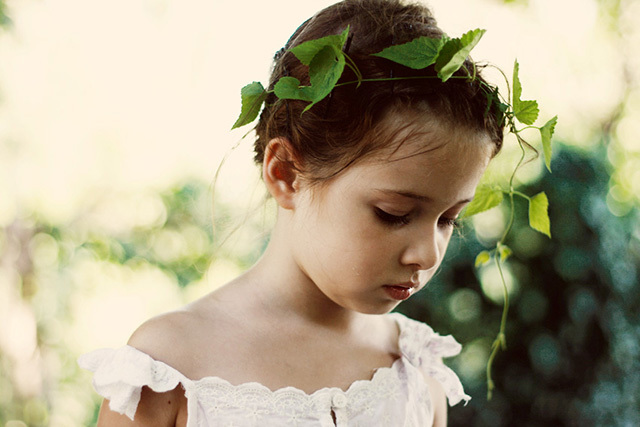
x=405, y=285
x=399, y=292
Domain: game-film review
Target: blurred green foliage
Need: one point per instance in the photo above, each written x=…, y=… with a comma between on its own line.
x=4, y=18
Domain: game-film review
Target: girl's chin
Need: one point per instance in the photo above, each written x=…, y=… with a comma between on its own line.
x=382, y=308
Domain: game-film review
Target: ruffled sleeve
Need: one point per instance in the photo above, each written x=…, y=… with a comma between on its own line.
x=424, y=348
x=120, y=374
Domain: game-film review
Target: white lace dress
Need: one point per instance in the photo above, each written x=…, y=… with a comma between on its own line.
x=394, y=396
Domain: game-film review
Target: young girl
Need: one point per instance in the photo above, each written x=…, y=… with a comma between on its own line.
x=369, y=183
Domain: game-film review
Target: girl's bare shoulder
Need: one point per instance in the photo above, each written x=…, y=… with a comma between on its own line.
x=176, y=337
x=166, y=338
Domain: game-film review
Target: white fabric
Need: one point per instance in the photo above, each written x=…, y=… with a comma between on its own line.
x=394, y=396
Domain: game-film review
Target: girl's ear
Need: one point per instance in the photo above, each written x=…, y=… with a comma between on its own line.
x=279, y=172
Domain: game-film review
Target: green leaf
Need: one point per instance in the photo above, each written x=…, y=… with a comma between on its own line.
x=482, y=258
x=306, y=51
x=525, y=111
x=289, y=88
x=419, y=53
x=546, y=132
x=505, y=252
x=253, y=96
x=324, y=72
x=455, y=51
x=486, y=197
x=517, y=87
x=538, y=214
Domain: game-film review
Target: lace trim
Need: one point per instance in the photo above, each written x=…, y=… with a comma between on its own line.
x=120, y=374
x=362, y=395
x=425, y=349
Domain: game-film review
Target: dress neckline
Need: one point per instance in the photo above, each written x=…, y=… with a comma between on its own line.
x=379, y=374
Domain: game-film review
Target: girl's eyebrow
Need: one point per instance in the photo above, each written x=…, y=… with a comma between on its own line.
x=419, y=197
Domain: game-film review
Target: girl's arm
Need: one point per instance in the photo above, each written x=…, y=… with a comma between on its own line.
x=154, y=409
x=438, y=401
x=157, y=337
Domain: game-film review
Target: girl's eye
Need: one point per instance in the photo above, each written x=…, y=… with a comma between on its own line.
x=391, y=219
x=449, y=222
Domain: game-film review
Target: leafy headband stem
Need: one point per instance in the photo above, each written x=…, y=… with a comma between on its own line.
x=326, y=59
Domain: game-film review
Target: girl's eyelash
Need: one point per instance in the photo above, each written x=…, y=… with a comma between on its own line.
x=390, y=219
x=397, y=220
x=449, y=222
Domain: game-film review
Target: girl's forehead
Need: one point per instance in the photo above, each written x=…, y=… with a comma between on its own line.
x=442, y=169
x=440, y=172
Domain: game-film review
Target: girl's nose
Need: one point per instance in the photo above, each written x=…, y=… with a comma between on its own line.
x=423, y=252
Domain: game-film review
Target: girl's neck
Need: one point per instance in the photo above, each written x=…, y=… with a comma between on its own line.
x=280, y=288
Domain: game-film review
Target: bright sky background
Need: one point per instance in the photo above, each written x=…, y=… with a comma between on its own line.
x=132, y=94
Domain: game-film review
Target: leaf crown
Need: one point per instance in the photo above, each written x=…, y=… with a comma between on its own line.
x=327, y=60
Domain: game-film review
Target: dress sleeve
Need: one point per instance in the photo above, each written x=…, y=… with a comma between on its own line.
x=425, y=349
x=120, y=374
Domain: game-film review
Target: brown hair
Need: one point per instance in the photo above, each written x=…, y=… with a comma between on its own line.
x=337, y=131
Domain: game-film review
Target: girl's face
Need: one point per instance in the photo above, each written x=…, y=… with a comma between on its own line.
x=376, y=233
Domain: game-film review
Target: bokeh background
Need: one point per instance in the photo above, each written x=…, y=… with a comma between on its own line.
x=114, y=117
